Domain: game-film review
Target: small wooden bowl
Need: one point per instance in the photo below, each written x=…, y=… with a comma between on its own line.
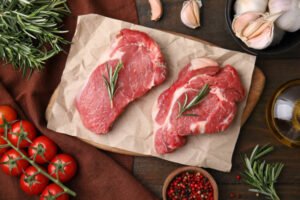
x=180, y=170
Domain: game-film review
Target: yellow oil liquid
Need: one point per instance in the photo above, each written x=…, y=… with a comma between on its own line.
x=296, y=116
x=283, y=114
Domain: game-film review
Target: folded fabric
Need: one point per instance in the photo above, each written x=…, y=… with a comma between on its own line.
x=101, y=175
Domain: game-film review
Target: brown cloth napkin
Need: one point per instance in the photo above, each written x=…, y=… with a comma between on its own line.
x=101, y=176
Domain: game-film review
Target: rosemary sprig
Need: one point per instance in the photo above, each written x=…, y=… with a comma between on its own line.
x=195, y=101
x=260, y=175
x=30, y=32
x=111, y=80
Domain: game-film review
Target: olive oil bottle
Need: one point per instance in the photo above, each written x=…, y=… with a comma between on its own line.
x=283, y=113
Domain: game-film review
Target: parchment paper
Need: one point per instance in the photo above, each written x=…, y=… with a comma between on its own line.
x=133, y=130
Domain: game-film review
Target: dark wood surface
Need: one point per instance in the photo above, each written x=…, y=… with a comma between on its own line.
x=278, y=69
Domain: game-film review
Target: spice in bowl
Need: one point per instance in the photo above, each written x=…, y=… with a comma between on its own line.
x=190, y=183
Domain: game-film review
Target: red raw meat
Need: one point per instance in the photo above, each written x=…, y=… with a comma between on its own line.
x=214, y=113
x=143, y=68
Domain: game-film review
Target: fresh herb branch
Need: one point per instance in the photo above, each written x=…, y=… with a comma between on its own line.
x=30, y=32
x=6, y=126
x=260, y=175
x=195, y=101
x=111, y=80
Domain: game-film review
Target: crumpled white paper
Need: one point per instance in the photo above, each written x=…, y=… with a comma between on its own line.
x=133, y=130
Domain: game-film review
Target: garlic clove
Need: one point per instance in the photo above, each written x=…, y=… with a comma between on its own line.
x=259, y=30
x=257, y=27
x=241, y=21
x=243, y=6
x=190, y=13
x=256, y=30
x=156, y=9
x=262, y=41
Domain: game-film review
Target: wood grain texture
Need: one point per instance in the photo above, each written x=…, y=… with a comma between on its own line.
x=278, y=70
x=213, y=25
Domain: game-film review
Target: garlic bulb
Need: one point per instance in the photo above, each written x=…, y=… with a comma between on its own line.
x=190, y=13
x=290, y=19
x=257, y=30
x=156, y=9
x=242, y=6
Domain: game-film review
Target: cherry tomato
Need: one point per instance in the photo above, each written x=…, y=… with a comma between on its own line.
x=22, y=137
x=11, y=163
x=8, y=113
x=42, y=150
x=52, y=191
x=2, y=142
x=32, y=182
x=63, y=165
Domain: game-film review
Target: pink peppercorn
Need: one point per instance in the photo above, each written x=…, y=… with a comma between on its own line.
x=232, y=195
x=190, y=186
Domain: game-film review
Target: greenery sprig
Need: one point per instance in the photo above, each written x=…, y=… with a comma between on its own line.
x=195, y=101
x=261, y=175
x=30, y=32
x=111, y=80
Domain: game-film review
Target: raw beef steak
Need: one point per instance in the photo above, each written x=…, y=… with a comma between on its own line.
x=142, y=68
x=213, y=114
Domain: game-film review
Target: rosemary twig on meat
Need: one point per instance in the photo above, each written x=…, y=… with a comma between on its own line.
x=260, y=175
x=111, y=80
x=195, y=101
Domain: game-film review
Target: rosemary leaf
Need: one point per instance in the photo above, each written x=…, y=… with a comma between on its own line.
x=111, y=80
x=260, y=175
x=190, y=115
x=195, y=101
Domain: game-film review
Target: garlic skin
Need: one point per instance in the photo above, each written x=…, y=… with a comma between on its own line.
x=156, y=9
x=290, y=19
x=257, y=30
x=242, y=6
x=190, y=13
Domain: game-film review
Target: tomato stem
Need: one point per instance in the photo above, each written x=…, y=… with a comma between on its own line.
x=65, y=188
x=4, y=146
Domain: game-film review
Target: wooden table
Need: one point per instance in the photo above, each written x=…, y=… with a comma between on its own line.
x=152, y=171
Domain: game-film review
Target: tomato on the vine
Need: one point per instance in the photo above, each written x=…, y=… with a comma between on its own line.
x=22, y=133
x=3, y=144
x=12, y=162
x=32, y=182
x=64, y=166
x=42, y=150
x=8, y=113
x=53, y=191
